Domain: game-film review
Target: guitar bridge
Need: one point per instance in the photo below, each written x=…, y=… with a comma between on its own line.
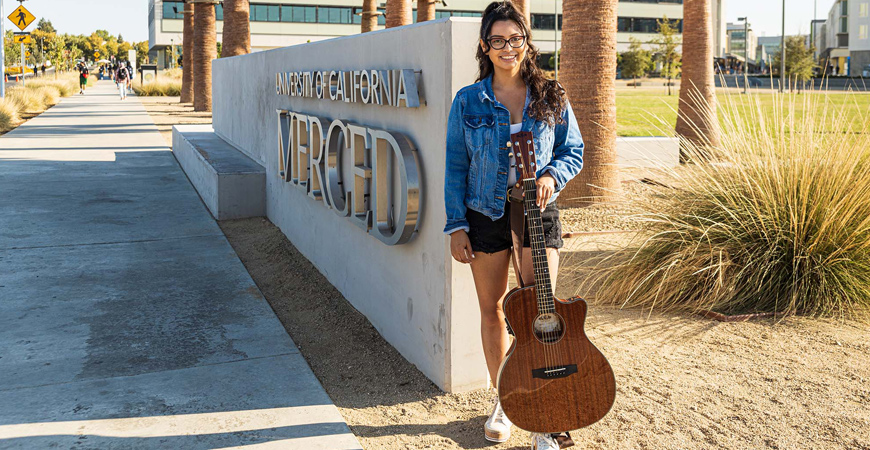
x=549, y=373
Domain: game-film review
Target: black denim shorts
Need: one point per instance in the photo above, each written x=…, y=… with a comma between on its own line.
x=492, y=236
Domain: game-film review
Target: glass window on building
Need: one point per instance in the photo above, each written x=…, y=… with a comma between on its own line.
x=173, y=10
x=862, y=32
x=219, y=12
x=258, y=13
x=844, y=24
x=286, y=13
x=273, y=13
x=382, y=19
x=864, y=9
x=844, y=8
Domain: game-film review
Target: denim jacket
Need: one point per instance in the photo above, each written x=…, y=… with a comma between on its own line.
x=478, y=130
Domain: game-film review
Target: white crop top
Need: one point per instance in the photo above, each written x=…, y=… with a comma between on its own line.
x=512, y=172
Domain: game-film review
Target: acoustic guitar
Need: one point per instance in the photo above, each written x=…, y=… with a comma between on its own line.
x=553, y=378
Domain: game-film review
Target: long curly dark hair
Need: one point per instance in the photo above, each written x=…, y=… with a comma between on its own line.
x=548, y=98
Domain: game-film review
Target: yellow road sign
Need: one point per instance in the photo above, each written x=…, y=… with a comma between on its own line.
x=21, y=39
x=27, y=54
x=21, y=17
x=96, y=54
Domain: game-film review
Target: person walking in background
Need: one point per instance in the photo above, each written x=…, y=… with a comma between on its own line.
x=129, y=77
x=121, y=78
x=83, y=78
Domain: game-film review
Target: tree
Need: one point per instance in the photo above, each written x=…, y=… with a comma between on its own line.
x=369, y=16
x=187, y=55
x=799, y=63
x=46, y=26
x=525, y=8
x=637, y=61
x=237, y=28
x=589, y=76
x=398, y=13
x=696, y=115
x=666, y=46
x=425, y=10
x=204, y=51
x=141, y=53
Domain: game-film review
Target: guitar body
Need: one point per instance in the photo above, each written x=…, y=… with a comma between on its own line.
x=553, y=378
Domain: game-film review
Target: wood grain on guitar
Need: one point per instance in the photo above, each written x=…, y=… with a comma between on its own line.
x=553, y=378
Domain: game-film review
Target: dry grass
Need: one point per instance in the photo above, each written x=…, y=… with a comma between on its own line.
x=778, y=220
x=8, y=115
x=162, y=87
x=33, y=98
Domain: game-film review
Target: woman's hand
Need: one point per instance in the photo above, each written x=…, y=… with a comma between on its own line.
x=460, y=247
x=546, y=188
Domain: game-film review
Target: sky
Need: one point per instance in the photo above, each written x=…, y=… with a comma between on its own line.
x=130, y=17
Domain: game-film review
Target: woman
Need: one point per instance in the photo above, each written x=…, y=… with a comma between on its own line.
x=511, y=95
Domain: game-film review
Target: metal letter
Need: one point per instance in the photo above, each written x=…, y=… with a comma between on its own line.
x=332, y=85
x=394, y=224
x=360, y=150
x=337, y=142
x=318, y=84
x=364, y=86
x=375, y=87
x=316, y=161
x=300, y=148
x=408, y=89
x=386, y=87
x=285, y=136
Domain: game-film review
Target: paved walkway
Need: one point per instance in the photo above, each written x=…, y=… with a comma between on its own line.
x=126, y=319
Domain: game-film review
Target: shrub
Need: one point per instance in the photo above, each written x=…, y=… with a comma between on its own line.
x=8, y=115
x=778, y=219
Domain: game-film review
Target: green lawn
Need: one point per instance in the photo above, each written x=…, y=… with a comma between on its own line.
x=645, y=112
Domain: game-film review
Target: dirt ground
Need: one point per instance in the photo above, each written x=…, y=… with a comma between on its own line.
x=167, y=111
x=683, y=382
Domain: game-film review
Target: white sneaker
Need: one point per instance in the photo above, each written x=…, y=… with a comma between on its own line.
x=544, y=442
x=498, y=426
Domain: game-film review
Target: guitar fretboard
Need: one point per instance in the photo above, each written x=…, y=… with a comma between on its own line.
x=543, y=288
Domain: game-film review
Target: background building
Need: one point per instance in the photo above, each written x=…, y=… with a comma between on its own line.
x=737, y=40
x=281, y=23
x=846, y=43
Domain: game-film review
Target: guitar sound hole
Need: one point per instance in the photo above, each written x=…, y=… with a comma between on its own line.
x=549, y=328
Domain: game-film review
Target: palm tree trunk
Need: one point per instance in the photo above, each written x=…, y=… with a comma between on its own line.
x=425, y=10
x=187, y=57
x=589, y=75
x=237, y=28
x=369, y=15
x=204, y=51
x=398, y=13
x=696, y=117
x=525, y=8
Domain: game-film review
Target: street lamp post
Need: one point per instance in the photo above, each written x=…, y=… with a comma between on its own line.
x=745, y=53
x=782, y=53
x=2, y=55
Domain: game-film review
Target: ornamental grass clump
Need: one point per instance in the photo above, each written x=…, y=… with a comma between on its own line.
x=159, y=88
x=777, y=219
x=8, y=115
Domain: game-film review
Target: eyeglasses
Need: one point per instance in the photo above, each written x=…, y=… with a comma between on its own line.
x=498, y=43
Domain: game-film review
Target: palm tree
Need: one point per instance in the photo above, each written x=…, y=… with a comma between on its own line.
x=425, y=10
x=204, y=51
x=237, y=28
x=187, y=57
x=525, y=7
x=696, y=118
x=369, y=15
x=589, y=75
x=398, y=13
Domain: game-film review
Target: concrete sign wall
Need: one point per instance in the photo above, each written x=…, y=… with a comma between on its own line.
x=411, y=290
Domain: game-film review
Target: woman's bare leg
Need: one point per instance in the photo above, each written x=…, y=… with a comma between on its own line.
x=490, y=271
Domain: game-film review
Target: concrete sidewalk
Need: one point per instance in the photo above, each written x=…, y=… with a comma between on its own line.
x=126, y=319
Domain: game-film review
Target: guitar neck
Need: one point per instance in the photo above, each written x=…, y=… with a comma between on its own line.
x=543, y=288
